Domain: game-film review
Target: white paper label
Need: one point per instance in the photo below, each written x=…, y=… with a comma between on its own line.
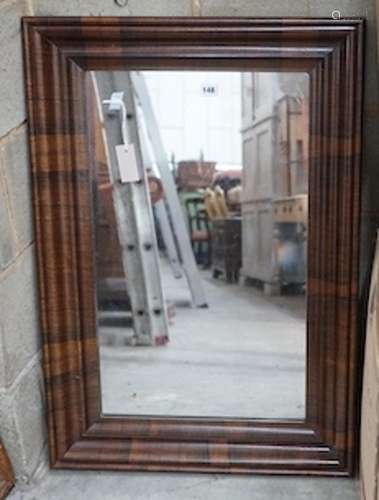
x=127, y=163
x=209, y=89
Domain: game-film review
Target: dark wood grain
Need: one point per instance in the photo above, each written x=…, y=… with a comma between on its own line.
x=59, y=52
x=7, y=478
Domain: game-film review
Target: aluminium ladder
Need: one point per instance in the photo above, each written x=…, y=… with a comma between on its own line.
x=133, y=212
x=173, y=203
x=161, y=210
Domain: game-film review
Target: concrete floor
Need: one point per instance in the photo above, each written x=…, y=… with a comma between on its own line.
x=236, y=358
x=80, y=485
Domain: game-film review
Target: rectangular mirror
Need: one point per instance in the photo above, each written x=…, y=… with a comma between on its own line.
x=236, y=146
x=197, y=203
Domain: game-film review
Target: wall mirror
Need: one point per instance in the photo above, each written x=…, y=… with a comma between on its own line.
x=236, y=145
x=196, y=190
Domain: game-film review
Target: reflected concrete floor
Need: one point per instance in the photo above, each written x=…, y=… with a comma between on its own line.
x=244, y=356
x=81, y=485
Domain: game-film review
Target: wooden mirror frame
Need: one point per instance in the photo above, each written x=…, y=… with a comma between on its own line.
x=7, y=478
x=59, y=53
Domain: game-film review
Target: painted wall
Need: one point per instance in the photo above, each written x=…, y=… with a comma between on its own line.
x=22, y=422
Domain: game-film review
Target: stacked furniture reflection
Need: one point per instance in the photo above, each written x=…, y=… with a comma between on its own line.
x=275, y=134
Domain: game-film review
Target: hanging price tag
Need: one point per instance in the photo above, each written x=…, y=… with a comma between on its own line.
x=127, y=163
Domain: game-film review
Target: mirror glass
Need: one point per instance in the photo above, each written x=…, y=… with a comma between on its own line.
x=200, y=200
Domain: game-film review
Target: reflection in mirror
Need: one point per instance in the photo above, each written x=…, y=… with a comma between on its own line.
x=200, y=199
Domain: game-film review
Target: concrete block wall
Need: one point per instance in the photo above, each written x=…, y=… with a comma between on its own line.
x=22, y=426
x=22, y=422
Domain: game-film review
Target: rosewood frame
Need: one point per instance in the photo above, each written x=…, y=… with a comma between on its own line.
x=7, y=478
x=59, y=52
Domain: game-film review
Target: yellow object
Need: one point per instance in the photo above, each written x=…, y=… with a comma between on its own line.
x=221, y=202
x=210, y=203
x=215, y=204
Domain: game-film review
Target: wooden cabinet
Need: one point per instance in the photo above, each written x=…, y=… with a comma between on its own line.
x=275, y=138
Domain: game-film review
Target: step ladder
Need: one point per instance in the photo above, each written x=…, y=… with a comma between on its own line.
x=133, y=209
x=179, y=226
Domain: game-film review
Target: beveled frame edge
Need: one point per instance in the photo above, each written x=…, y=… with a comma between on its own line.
x=58, y=52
